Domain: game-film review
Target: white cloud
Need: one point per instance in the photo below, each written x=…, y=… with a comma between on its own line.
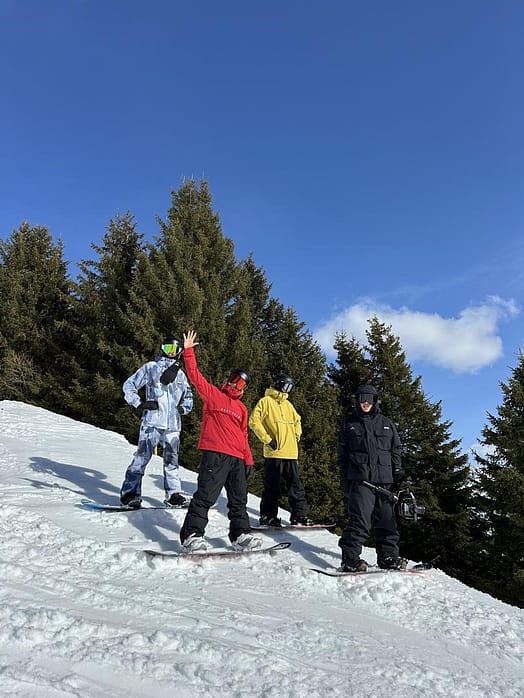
x=463, y=344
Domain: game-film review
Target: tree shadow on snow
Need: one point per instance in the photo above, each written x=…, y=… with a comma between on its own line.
x=84, y=481
x=160, y=526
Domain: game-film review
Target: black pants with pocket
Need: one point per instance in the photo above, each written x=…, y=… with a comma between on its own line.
x=276, y=469
x=369, y=509
x=218, y=470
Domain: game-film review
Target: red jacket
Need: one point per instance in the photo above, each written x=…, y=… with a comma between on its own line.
x=224, y=419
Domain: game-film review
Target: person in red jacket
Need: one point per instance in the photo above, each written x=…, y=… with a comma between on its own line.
x=225, y=453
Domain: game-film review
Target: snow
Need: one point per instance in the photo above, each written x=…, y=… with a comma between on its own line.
x=83, y=612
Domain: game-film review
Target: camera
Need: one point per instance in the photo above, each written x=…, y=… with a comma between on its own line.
x=407, y=507
x=405, y=503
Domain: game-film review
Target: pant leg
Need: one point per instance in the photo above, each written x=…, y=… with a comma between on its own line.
x=361, y=503
x=271, y=493
x=236, y=489
x=148, y=438
x=212, y=475
x=296, y=493
x=385, y=527
x=171, y=445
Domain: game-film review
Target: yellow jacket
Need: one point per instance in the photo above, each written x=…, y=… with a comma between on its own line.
x=274, y=417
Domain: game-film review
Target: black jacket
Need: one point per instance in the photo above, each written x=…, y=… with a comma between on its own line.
x=369, y=448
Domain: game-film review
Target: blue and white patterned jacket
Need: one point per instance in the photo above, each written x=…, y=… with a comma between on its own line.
x=173, y=399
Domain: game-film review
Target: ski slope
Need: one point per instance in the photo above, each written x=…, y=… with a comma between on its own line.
x=85, y=613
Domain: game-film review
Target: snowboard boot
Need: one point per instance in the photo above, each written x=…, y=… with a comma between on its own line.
x=302, y=521
x=353, y=566
x=246, y=541
x=392, y=563
x=270, y=521
x=176, y=500
x=131, y=499
x=194, y=543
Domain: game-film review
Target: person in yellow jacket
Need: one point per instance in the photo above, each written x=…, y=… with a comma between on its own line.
x=277, y=424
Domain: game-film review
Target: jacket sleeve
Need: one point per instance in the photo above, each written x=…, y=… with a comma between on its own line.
x=396, y=450
x=204, y=388
x=343, y=458
x=248, y=456
x=297, y=424
x=133, y=384
x=256, y=424
x=185, y=404
x=147, y=376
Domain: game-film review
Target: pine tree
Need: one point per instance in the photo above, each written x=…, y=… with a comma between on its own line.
x=499, y=518
x=105, y=351
x=351, y=370
x=34, y=297
x=247, y=346
x=187, y=278
x=245, y=340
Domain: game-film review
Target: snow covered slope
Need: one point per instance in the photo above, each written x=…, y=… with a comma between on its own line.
x=84, y=613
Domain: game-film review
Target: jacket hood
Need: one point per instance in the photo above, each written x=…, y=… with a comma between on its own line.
x=276, y=394
x=369, y=389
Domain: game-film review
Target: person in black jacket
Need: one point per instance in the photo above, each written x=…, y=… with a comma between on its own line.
x=369, y=450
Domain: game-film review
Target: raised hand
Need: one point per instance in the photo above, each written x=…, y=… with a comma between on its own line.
x=190, y=339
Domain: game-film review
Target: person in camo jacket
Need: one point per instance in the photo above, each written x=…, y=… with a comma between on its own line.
x=168, y=395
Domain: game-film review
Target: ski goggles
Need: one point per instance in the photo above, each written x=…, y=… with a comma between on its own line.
x=366, y=397
x=285, y=387
x=171, y=349
x=237, y=382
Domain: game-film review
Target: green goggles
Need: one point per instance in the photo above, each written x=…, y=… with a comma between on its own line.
x=171, y=349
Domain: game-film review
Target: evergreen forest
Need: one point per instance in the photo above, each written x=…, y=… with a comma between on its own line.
x=67, y=345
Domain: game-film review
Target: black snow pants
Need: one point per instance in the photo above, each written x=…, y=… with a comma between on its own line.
x=274, y=470
x=369, y=509
x=218, y=470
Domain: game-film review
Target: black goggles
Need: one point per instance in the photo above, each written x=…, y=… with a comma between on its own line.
x=285, y=387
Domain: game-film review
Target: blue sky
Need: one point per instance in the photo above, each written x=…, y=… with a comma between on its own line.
x=368, y=154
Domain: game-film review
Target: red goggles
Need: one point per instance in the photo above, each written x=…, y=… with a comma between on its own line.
x=237, y=382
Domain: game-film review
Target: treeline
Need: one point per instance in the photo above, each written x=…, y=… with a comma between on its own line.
x=68, y=344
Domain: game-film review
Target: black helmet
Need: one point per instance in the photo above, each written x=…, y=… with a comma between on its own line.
x=283, y=382
x=239, y=379
x=366, y=393
x=171, y=347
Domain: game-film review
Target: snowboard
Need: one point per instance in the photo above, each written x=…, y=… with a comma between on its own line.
x=333, y=572
x=291, y=527
x=122, y=507
x=205, y=554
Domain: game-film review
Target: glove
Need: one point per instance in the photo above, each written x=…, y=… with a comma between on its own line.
x=148, y=405
x=169, y=375
x=273, y=445
x=401, y=480
x=249, y=471
x=180, y=410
